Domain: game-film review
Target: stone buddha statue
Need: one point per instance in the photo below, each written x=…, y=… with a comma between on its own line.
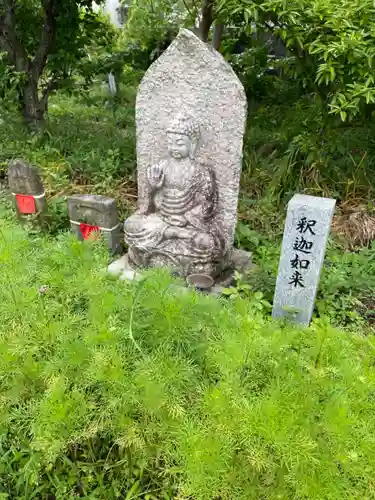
x=176, y=227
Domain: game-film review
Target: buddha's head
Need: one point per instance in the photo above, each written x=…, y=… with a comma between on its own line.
x=183, y=137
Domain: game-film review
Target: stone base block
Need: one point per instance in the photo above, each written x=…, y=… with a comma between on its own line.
x=241, y=261
x=122, y=269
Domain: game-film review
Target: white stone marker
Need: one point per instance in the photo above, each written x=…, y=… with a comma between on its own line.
x=112, y=84
x=305, y=239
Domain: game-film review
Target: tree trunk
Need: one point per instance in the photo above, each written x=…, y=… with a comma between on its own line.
x=206, y=19
x=33, y=107
x=218, y=35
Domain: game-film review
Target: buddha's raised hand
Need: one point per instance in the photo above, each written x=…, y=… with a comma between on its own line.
x=155, y=176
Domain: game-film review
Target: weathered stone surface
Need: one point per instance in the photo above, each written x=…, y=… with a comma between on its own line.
x=24, y=180
x=191, y=114
x=99, y=211
x=305, y=238
x=241, y=260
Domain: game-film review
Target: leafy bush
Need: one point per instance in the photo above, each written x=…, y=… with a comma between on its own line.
x=291, y=146
x=114, y=390
x=150, y=28
x=331, y=41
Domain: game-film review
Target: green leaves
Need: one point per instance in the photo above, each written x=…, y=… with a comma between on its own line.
x=335, y=37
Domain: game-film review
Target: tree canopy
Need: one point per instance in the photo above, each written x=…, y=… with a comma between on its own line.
x=332, y=43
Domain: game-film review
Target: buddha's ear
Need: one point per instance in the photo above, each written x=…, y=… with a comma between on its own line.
x=194, y=147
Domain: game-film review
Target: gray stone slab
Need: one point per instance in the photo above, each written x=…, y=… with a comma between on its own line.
x=25, y=182
x=190, y=115
x=306, y=233
x=99, y=211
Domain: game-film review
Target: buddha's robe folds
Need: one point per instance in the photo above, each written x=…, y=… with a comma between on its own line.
x=179, y=221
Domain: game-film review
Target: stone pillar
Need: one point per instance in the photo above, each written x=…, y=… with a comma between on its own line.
x=305, y=238
x=90, y=213
x=27, y=190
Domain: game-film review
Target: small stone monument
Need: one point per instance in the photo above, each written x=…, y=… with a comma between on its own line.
x=305, y=238
x=94, y=215
x=191, y=115
x=27, y=189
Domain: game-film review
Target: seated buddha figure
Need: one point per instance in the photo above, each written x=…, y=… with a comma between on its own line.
x=176, y=227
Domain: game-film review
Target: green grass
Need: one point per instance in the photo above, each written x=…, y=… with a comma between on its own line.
x=115, y=390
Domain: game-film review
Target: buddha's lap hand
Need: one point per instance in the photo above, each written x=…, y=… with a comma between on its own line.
x=155, y=176
x=141, y=212
x=178, y=221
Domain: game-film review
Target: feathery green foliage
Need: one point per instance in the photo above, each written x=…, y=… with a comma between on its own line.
x=111, y=389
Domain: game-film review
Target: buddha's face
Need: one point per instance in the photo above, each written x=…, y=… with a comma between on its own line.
x=179, y=146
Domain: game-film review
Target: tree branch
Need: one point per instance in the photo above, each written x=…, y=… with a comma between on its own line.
x=47, y=38
x=190, y=12
x=5, y=42
x=52, y=85
x=9, y=15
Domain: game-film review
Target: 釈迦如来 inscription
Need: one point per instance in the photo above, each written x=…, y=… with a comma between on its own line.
x=305, y=238
x=304, y=246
